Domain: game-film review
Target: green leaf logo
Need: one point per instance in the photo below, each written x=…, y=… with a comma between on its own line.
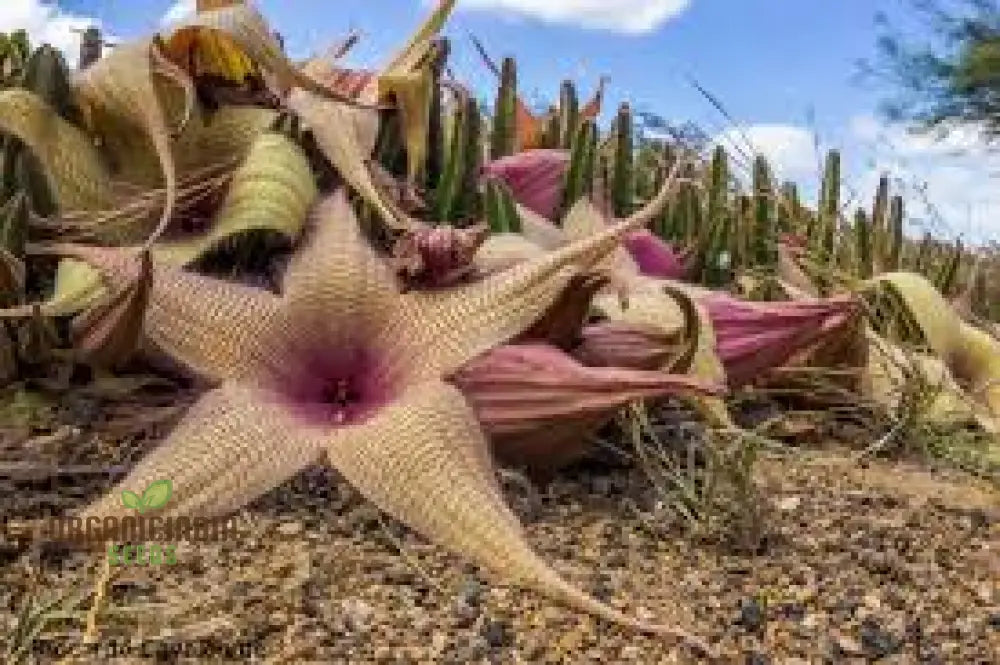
x=130, y=500
x=156, y=495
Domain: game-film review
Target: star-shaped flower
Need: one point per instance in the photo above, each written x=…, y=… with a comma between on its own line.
x=344, y=367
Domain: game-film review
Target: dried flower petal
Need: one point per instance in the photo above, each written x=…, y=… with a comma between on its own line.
x=520, y=389
x=655, y=257
x=752, y=338
x=535, y=177
x=437, y=257
x=632, y=345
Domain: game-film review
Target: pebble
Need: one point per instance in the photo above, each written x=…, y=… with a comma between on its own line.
x=471, y=591
x=876, y=642
x=789, y=503
x=495, y=633
x=757, y=658
x=470, y=652
x=290, y=529
x=846, y=646
x=791, y=611
x=401, y=575
x=751, y=615
x=631, y=652
x=357, y=614
x=465, y=614
x=994, y=621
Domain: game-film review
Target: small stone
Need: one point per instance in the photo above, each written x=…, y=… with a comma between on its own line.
x=471, y=591
x=602, y=592
x=471, y=652
x=400, y=575
x=790, y=611
x=631, y=652
x=357, y=614
x=876, y=642
x=872, y=601
x=789, y=503
x=978, y=519
x=751, y=615
x=495, y=633
x=365, y=517
x=290, y=529
x=615, y=558
x=994, y=621
x=847, y=646
x=465, y=614
x=757, y=658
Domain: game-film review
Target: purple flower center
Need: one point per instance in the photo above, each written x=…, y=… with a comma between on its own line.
x=329, y=387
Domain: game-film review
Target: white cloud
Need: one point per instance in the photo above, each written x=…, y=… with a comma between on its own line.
x=46, y=23
x=632, y=17
x=788, y=149
x=181, y=9
x=955, y=171
x=948, y=180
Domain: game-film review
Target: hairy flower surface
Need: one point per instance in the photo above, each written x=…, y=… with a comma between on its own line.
x=526, y=395
x=754, y=337
x=535, y=177
x=343, y=367
x=437, y=256
x=655, y=257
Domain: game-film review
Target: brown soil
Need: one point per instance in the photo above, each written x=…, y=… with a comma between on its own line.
x=893, y=562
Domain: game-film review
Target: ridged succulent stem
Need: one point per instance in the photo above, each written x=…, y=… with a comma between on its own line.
x=623, y=175
x=503, y=140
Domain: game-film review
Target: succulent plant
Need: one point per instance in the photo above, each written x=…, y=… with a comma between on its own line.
x=503, y=133
x=623, y=170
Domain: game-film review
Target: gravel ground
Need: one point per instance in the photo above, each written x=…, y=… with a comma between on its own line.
x=889, y=562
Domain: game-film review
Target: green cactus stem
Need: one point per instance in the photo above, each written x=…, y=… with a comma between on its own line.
x=880, y=219
x=569, y=114
x=948, y=276
x=503, y=140
x=470, y=201
x=91, y=47
x=789, y=210
x=922, y=260
x=829, y=211
x=436, y=148
x=501, y=210
x=765, y=236
x=581, y=159
x=864, y=251
x=448, y=192
x=895, y=249
x=623, y=174
x=718, y=186
x=551, y=136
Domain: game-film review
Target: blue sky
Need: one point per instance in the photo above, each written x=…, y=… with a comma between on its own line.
x=769, y=61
